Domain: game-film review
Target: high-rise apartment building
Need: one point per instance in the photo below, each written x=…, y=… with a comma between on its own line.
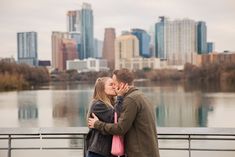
x=73, y=21
x=98, y=47
x=74, y=28
x=76, y=36
x=57, y=44
x=201, y=37
x=176, y=41
x=108, y=47
x=159, y=38
x=151, y=32
x=69, y=48
x=87, y=37
x=27, y=48
x=63, y=49
x=126, y=47
x=144, y=41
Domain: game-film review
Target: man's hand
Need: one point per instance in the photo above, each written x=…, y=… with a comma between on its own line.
x=91, y=121
x=122, y=90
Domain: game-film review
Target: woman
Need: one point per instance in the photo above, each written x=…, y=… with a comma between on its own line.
x=99, y=144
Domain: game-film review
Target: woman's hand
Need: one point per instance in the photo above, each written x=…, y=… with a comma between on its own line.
x=122, y=90
x=91, y=121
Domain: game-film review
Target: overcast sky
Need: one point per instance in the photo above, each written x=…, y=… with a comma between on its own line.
x=45, y=16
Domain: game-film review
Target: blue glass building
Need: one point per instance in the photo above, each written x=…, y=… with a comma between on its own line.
x=210, y=47
x=87, y=37
x=201, y=37
x=144, y=41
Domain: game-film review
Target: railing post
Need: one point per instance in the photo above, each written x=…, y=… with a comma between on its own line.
x=189, y=145
x=9, y=146
x=41, y=144
x=84, y=145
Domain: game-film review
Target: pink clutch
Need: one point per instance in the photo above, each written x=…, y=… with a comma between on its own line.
x=117, y=142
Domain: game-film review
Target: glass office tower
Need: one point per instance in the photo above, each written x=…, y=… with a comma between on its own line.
x=27, y=48
x=87, y=37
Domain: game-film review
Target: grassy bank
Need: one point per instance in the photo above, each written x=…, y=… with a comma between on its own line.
x=11, y=82
x=21, y=76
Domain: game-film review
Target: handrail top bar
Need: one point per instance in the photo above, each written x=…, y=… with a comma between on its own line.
x=44, y=130
x=196, y=131
x=84, y=130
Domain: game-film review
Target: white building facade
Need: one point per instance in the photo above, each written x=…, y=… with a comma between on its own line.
x=86, y=65
x=180, y=42
x=176, y=41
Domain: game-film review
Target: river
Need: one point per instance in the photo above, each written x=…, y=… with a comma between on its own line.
x=62, y=105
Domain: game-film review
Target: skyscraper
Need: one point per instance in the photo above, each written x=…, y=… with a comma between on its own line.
x=63, y=49
x=74, y=28
x=98, y=47
x=76, y=36
x=181, y=41
x=144, y=41
x=69, y=48
x=126, y=48
x=108, y=47
x=151, y=32
x=73, y=21
x=201, y=37
x=87, y=37
x=159, y=38
x=176, y=41
x=27, y=48
x=57, y=54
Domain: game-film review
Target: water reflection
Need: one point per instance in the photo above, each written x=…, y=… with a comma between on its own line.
x=70, y=106
x=175, y=106
x=27, y=112
x=204, y=108
x=67, y=105
x=27, y=108
x=209, y=87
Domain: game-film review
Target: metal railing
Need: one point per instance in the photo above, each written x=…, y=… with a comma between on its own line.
x=189, y=135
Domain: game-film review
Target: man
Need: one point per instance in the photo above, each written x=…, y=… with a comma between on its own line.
x=136, y=122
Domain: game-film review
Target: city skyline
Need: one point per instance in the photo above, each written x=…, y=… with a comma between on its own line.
x=45, y=16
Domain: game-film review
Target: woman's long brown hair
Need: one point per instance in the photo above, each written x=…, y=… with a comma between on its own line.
x=100, y=95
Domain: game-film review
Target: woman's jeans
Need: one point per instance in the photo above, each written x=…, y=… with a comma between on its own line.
x=91, y=154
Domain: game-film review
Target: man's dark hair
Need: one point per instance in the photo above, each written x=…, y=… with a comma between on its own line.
x=124, y=75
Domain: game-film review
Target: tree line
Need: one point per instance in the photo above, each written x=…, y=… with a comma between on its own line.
x=73, y=75
x=21, y=76
x=212, y=72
